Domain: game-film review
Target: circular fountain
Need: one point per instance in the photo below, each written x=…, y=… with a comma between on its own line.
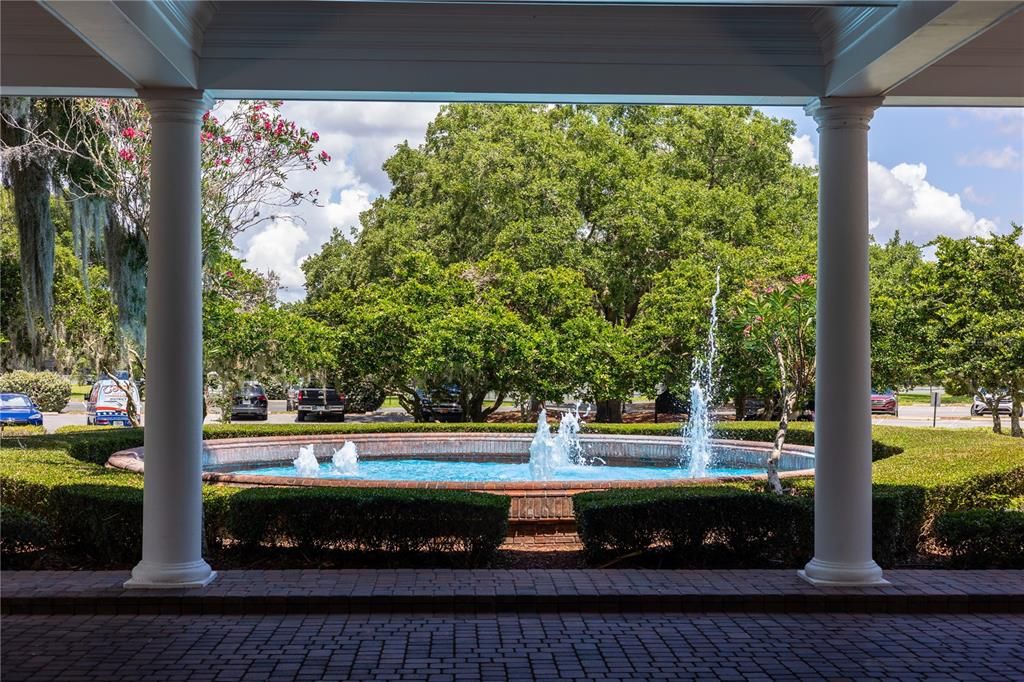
x=539, y=471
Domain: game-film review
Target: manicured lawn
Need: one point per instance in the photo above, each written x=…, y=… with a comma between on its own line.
x=79, y=391
x=924, y=399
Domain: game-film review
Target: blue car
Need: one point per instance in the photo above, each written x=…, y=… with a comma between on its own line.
x=18, y=409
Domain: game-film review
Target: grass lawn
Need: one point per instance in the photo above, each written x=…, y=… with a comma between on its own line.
x=79, y=391
x=923, y=399
x=391, y=401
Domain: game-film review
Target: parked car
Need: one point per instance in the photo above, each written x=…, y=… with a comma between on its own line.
x=320, y=403
x=250, y=401
x=107, y=404
x=980, y=404
x=885, y=402
x=441, y=404
x=18, y=409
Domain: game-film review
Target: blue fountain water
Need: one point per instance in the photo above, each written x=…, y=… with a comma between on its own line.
x=435, y=470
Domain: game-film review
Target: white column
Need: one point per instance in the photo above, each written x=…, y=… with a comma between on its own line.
x=172, y=497
x=842, y=438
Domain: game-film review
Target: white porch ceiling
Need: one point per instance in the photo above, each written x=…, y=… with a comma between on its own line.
x=929, y=52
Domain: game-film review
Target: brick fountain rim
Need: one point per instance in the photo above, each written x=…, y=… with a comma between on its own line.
x=133, y=459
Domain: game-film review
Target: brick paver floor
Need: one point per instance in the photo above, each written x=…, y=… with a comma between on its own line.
x=513, y=647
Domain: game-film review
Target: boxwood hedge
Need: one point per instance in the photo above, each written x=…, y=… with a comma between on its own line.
x=983, y=538
x=732, y=525
x=96, y=513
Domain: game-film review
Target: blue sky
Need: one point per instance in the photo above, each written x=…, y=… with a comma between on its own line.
x=933, y=171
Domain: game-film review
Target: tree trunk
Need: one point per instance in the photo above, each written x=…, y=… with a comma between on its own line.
x=498, y=400
x=28, y=175
x=609, y=411
x=997, y=424
x=1015, y=414
x=126, y=264
x=788, y=400
x=740, y=403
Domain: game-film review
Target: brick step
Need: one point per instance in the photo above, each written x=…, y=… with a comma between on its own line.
x=490, y=591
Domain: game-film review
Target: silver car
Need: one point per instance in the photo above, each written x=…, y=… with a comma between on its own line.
x=980, y=405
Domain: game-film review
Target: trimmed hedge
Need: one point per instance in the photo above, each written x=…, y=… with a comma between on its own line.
x=49, y=390
x=370, y=519
x=21, y=532
x=702, y=525
x=96, y=513
x=732, y=525
x=983, y=538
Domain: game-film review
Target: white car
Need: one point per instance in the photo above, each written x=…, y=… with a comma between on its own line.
x=107, y=404
x=980, y=406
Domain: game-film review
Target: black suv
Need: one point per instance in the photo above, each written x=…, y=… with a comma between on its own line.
x=441, y=404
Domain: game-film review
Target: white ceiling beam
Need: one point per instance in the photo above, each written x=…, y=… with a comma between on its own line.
x=136, y=38
x=913, y=36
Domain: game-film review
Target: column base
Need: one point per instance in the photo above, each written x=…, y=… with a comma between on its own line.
x=836, y=574
x=150, y=576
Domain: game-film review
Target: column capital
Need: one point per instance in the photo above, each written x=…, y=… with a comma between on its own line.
x=176, y=104
x=843, y=112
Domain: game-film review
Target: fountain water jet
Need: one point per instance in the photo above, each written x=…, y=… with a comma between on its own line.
x=545, y=455
x=305, y=464
x=568, y=437
x=697, y=432
x=346, y=460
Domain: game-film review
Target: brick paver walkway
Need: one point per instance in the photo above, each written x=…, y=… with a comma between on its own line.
x=513, y=647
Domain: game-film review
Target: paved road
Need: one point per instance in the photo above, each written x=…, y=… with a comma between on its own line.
x=446, y=648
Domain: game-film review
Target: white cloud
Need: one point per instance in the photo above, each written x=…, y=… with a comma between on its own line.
x=999, y=159
x=275, y=248
x=802, y=149
x=1006, y=121
x=902, y=199
x=972, y=195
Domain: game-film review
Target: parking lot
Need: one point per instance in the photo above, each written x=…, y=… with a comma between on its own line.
x=954, y=416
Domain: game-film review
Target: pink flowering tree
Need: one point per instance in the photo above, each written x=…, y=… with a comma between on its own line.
x=249, y=153
x=778, y=319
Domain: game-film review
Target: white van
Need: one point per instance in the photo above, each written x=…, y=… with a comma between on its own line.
x=107, y=404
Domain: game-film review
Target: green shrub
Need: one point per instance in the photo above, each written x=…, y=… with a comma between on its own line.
x=21, y=531
x=702, y=525
x=96, y=513
x=50, y=391
x=370, y=519
x=898, y=522
x=734, y=525
x=983, y=538
x=100, y=522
